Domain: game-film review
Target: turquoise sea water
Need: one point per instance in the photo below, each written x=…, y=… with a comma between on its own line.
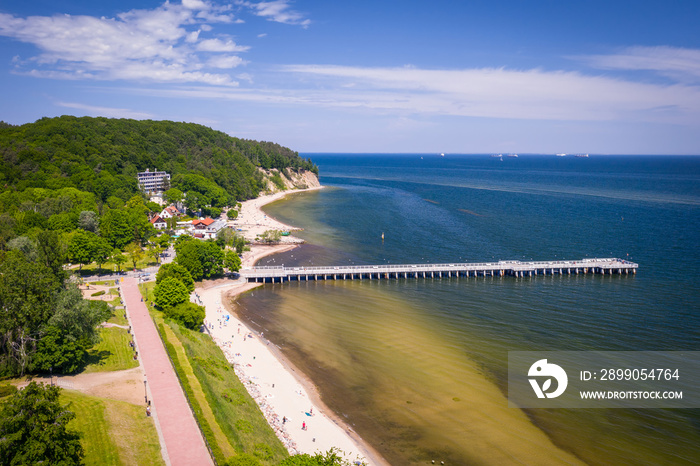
x=418, y=367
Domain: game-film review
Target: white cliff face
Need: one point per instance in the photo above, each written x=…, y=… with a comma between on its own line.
x=303, y=179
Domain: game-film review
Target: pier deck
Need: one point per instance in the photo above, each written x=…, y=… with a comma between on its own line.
x=480, y=269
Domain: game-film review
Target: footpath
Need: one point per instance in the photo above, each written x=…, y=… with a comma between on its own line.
x=184, y=444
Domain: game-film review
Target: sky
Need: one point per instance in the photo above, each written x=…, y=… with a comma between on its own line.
x=511, y=76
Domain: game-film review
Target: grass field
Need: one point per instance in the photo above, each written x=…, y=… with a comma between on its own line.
x=113, y=432
x=119, y=317
x=236, y=412
x=113, y=353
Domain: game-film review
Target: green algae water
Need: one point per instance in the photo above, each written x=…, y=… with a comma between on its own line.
x=418, y=367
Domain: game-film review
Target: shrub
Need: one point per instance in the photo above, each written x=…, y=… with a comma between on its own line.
x=98, y=293
x=188, y=314
x=7, y=390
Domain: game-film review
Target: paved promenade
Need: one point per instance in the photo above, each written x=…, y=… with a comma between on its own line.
x=183, y=440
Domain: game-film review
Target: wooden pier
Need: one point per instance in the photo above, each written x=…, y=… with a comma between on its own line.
x=482, y=269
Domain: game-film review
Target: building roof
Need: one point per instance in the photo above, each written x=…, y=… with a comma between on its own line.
x=157, y=219
x=206, y=221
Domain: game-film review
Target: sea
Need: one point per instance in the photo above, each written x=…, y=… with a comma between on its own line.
x=418, y=367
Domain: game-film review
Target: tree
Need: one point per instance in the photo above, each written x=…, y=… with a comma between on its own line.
x=78, y=318
x=52, y=252
x=176, y=271
x=188, y=257
x=102, y=251
x=33, y=429
x=82, y=248
x=153, y=206
x=173, y=196
x=163, y=241
x=134, y=252
x=88, y=221
x=116, y=228
x=170, y=292
x=57, y=352
x=27, y=301
x=62, y=222
x=232, y=214
x=188, y=314
x=271, y=236
x=202, y=259
x=232, y=261
x=24, y=244
x=155, y=251
x=118, y=258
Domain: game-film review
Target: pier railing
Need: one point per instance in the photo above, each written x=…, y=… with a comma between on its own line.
x=500, y=268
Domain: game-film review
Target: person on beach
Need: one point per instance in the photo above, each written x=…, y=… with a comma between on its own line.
x=303, y=426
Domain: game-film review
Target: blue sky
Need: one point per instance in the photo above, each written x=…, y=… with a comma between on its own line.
x=369, y=76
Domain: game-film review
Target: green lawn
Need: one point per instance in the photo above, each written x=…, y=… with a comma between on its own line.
x=235, y=410
x=104, y=283
x=113, y=353
x=113, y=432
x=119, y=316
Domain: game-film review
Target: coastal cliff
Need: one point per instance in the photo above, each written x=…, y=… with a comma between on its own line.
x=282, y=180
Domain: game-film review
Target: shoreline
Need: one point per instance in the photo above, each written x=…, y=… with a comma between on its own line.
x=279, y=388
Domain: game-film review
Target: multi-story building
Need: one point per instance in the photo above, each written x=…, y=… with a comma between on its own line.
x=153, y=181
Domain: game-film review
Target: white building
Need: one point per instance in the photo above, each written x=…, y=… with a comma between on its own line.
x=153, y=181
x=170, y=212
x=159, y=223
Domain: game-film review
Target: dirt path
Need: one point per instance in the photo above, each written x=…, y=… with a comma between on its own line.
x=118, y=385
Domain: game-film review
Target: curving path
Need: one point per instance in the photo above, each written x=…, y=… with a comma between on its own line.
x=183, y=440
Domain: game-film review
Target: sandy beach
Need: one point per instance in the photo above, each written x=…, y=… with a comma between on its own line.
x=286, y=397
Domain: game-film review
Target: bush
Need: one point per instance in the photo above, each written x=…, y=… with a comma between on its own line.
x=98, y=293
x=7, y=390
x=188, y=314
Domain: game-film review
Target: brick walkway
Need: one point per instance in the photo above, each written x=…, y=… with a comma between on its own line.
x=183, y=440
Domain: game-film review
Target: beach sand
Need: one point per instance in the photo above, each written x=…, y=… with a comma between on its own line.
x=280, y=390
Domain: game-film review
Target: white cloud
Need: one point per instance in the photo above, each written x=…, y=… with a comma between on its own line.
x=499, y=93
x=216, y=45
x=677, y=63
x=226, y=62
x=161, y=44
x=490, y=93
x=277, y=10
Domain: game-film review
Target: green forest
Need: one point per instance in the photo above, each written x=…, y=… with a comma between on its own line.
x=102, y=156
x=70, y=199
